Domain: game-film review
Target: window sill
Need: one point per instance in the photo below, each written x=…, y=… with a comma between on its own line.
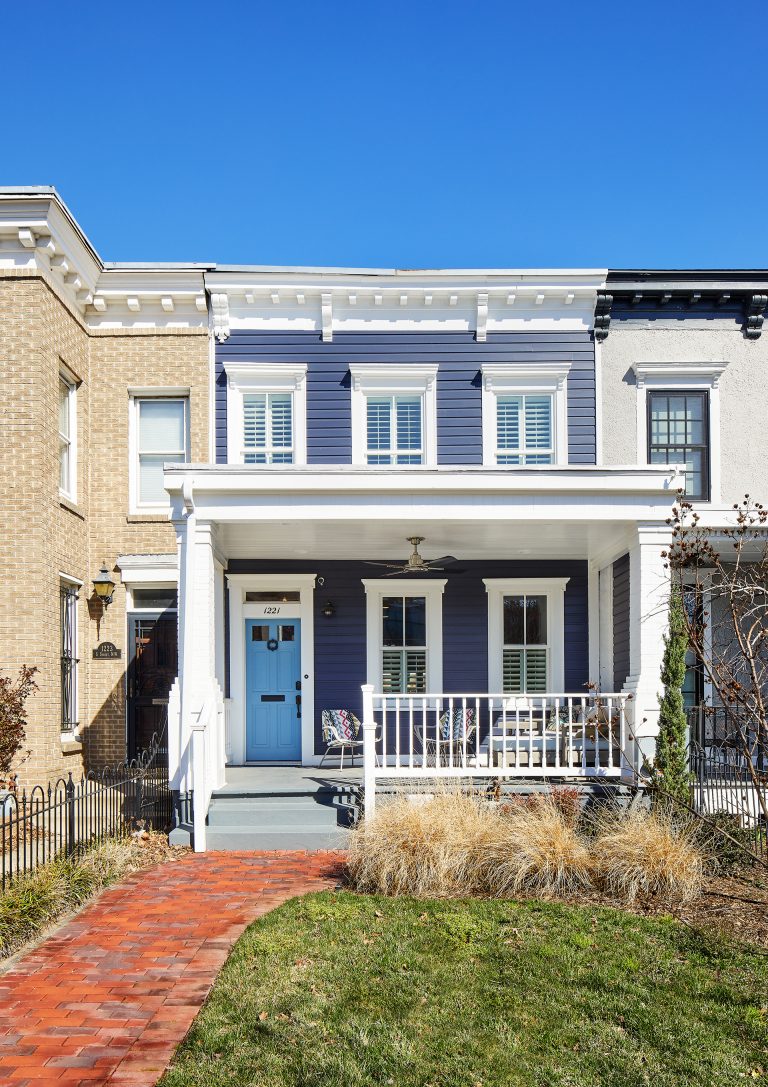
x=68, y=504
x=149, y=517
x=70, y=745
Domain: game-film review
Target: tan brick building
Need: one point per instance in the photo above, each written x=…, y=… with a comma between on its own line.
x=98, y=362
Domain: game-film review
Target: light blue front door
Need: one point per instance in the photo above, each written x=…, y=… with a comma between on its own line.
x=272, y=690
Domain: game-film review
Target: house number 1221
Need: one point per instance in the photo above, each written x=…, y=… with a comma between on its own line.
x=271, y=611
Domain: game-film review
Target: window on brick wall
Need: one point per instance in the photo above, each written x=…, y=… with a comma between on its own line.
x=67, y=437
x=69, y=660
x=160, y=435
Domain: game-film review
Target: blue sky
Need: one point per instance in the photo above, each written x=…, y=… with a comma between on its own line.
x=406, y=134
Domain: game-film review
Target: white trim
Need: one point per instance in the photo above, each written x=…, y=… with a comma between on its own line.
x=605, y=678
x=239, y=584
x=272, y=377
x=72, y=580
x=135, y=396
x=683, y=376
x=389, y=380
x=554, y=590
x=375, y=591
x=66, y=378
x=148, y=570
x=500, y=379
x=598, y=402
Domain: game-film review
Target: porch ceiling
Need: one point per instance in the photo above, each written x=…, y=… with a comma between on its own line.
x=387, y=540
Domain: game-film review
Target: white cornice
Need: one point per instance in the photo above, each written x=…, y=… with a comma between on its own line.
x=349, y=300
x=38, y=234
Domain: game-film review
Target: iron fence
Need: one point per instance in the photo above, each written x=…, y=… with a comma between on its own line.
x=57, y=820
x=727, y=789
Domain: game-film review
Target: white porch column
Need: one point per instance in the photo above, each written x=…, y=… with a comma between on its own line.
x=201, y=717
x=649, y=585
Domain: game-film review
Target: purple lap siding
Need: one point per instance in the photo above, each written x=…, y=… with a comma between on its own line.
x=340, y=649
x=459, y=356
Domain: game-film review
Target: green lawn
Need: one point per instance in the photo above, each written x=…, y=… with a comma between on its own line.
x=336, y=989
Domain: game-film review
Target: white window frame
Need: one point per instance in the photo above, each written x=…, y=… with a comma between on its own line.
x=135, y=396
x=656, y=376
x=393, y=380
x=375, y=591
x=506, y=379
x=70, y=491
x=72, y=735
x=554, y=590
x=253, y=378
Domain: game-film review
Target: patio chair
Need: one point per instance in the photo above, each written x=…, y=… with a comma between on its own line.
x=340, y=732
x=454, y=725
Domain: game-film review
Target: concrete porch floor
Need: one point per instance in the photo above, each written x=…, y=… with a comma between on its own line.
x=288, y=780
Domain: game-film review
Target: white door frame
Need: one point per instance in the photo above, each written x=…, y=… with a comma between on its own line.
x=239, y=611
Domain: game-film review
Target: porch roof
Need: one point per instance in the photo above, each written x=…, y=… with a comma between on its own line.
x=661, y=481
x=349, y=512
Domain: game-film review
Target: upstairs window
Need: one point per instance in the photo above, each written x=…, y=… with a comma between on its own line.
x=266, y=413
x=67, y=436
x=162, y=429
x=524, y=431
x=678, y=433
x=268, y=428
x=394, y=430
x=394, y=414
x=525, y=413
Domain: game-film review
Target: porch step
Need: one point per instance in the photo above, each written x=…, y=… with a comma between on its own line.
x=245, y=839
x=258, y=816
x=279, y=812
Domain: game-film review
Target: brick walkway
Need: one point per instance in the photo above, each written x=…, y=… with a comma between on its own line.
x=108, y=998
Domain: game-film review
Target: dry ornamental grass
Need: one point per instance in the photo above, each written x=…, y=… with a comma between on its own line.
x=641, y=853
x=455, y=844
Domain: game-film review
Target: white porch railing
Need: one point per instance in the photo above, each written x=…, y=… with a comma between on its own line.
x=495, y=736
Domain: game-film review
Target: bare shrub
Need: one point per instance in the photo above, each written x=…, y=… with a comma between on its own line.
x=644, y=853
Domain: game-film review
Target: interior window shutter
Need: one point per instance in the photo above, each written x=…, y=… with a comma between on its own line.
x=392, y=671
x=536, y=670
x=282, y=428
x=508, y=425
x=408, y=423
x=378, y=424
x=538, y=423
x=512, y=670
x=255, y=429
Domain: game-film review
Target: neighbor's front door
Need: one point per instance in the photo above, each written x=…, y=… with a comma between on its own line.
x=273, y=690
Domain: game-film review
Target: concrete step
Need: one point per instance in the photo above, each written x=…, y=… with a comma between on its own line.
x=237, y=839
x=278, y=813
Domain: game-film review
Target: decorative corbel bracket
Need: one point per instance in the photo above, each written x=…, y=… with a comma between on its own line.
x=220, y=311
x=482, y=318
x=326, y=315
x=602, y=316
x=754, y=310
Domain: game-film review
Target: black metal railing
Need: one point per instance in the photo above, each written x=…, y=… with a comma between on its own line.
x=57, y=820
x=726, y=789
x=719, y=728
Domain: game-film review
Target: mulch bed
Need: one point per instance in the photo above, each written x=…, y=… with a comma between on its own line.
x=733, y=906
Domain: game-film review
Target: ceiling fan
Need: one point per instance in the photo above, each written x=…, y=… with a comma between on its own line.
x=415, y=564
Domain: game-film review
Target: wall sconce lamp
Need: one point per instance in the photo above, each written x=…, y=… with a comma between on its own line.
x=329, y=609
x=104, y=587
